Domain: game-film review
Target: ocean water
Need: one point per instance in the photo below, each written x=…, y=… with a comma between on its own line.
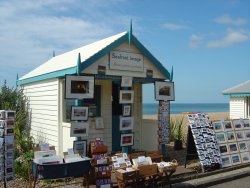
x=177, y=108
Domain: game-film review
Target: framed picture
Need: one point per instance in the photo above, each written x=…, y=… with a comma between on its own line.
x=79, y=87
x=223, y=149
x=237, y=124
x=220, y=137
x=218, y=126
x=126, y=96
x=226, y=161
x=245, y=158
x=126, y=111
x=245, y=123
x=127, y=139
x=79, y=129
x=242, y=146
x=231, y=136
x=126, y=123
x=235, y=158
x=247, y=134
x=233, y=148
x=80, y=146
x=240, y=135
x=126, y=81
x=228, y=125
x=164, y=91
x=79, y=113
x=99, y=123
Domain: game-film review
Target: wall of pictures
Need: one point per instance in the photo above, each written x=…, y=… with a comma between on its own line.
x=7, y=145
x=204, y=139
x=233, y=139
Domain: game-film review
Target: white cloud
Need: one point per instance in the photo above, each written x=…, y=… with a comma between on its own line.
x=232, y=37
x=227, y=20
x=195, y=41
x=173, y=26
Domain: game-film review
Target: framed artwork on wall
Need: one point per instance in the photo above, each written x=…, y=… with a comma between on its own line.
x=99, y=123
x=126, y=123
x=218, y=126
x=79, y=129
x=164, y=91
x=126, y=81
x=80, y=113
x=245, y=158
x=235, y=158
x=80, y=146
x=126, y=111
x=127, y=139
x=226, y=161
x=79, y=87
x=126, y=96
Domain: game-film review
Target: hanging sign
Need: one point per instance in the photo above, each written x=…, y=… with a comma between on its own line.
x=126, y=61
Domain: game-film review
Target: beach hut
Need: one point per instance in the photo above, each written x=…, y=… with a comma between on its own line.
x=239, y=100
x=110, y=61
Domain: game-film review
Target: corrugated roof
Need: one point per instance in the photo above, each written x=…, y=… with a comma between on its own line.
x=243, y=88
x=69, y=59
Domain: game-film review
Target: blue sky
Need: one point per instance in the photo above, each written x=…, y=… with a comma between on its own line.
x=207, y=42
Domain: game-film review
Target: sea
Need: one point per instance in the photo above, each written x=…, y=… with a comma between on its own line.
x=178, y=108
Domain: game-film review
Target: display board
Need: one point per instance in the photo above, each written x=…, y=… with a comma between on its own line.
x=204, y=139
x=163, y=122
x=7, y=145
x=233, y=139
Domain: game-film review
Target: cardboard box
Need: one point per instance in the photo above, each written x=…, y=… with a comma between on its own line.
x=125, y=175
x=147, y=170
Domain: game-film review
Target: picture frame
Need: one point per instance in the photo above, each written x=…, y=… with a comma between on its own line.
x=164, y=91
x=233, y=148
x=247, y=134
x=79, y=87
x=248, y=144
x=226, y=161
x=79, y=113
x=218, y=126
x=99, y=123
x=126, y=110
x=231, y=136
x=127, y=139
x=126, y=81
x=80, y=146
x=237, y=124
x=228, y=126
x=126, y=123
x=246, y=123
x=242, y=146
x=235, y=158
x=240, y=135
x=245, y=157
x=79, y=129
x=223, y=148
x=220, y=137
x=126, y=96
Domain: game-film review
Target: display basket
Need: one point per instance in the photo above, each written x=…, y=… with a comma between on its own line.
x=172, y=167
x=127, y=175
x=147, y=170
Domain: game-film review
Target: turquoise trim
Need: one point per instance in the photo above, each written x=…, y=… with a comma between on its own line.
x=130, y=32
x=151, y=58
x=17, y=78
x=172, y=74
x=78, y=70
x=48, y=76
x=238, y=95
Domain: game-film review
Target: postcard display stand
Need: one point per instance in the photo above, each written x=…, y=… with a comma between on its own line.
x=163, y=125
x=102, y=169
x=233, y=138
x=6, y=145
x=205, y=142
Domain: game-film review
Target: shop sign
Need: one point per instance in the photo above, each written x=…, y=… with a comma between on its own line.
x=126, y=61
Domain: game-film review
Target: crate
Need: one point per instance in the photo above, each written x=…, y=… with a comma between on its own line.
x=147, y=170
x=127, y=175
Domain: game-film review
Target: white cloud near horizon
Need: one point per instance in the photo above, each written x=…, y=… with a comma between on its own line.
x=232, y=37
x=174, y=26
x=227, y=20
